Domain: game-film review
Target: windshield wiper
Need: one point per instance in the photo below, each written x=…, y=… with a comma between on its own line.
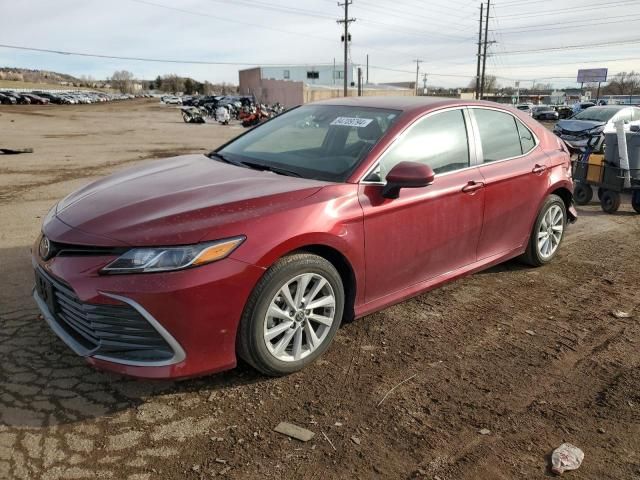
x=224, y=159
x=269, y=168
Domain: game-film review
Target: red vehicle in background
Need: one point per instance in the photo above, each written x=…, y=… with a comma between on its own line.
x=329, y=211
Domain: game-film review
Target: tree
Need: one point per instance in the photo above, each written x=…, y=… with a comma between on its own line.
x=122, y=80
x=172, y=83
x=490, y=84
x=623, y=83
x=189, y=86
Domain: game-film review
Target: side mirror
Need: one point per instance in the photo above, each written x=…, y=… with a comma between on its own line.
x=407, y=175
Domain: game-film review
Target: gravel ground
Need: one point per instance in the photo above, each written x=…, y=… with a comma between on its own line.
x=535, y=356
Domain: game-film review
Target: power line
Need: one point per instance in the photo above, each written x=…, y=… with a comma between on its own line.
x=574, y=47
x=156, y=60
x=570, y=10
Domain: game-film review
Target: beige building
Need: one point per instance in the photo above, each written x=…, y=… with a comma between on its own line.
x=290, y=93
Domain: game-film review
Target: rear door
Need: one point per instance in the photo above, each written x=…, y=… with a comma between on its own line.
x=430, y=231
x=515, y=171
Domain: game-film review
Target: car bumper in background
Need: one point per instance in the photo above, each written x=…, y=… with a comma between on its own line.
x=159, y=325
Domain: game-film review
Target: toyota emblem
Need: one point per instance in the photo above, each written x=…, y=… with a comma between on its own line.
x=45, y=248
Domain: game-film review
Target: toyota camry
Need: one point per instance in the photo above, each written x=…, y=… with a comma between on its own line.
x=260, y=249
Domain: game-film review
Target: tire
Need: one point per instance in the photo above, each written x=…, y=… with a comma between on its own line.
x=635, y=200
x=268, y=355
x=536, y=254
x=582, y=193
x=610, y=201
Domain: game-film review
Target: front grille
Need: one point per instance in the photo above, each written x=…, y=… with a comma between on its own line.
x=117, y=332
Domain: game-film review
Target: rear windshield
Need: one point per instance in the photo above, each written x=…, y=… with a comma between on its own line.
x=523, y=107
x=324, y=142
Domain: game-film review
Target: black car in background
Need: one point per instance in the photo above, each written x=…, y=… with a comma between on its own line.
x=544, y=113
x=7, y=100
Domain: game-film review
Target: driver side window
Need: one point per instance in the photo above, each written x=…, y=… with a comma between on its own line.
x=439, y=140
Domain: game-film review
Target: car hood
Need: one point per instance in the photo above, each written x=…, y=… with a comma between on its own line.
x=180, y=200
x=579, y=125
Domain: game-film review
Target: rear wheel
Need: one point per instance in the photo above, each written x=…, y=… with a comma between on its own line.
x=548, y=232
x=582, y=193
x=610, y=201
x=292, y=315
x=635, y=200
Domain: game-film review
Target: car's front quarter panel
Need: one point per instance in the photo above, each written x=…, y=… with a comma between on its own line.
x=331, y=218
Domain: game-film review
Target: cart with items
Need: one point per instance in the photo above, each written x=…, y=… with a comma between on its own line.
x=614, y=172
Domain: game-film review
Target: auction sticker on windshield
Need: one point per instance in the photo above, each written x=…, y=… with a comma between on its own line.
x=352, y=122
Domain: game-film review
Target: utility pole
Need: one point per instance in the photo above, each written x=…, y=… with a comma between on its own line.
x=346, y=22
x=479, y=53
x=359, y=81
x=417, y=74
x=334, y=70
x=486, y=42
x=367, y=81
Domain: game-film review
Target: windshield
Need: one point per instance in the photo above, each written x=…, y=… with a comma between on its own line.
x=323, y=142
x=544, y=109
x=597, y=114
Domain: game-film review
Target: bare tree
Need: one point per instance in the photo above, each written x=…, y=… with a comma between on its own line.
x=623, y=83
x=122, y=80
x=490, y=84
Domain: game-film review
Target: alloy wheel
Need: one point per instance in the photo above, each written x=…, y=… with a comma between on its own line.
x=299, y=317
x=550, y=231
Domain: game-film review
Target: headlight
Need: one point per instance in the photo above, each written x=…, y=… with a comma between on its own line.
x=162, y=259
x=598, y=129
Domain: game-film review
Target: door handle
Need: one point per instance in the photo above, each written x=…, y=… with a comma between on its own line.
x=539, y=169
x=472, y=187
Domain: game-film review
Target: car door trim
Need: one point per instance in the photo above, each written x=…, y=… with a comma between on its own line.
x=470, y=135
x=474, y=121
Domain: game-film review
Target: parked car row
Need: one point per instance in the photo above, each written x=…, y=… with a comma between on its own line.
x=39, y=97
x=594, y=120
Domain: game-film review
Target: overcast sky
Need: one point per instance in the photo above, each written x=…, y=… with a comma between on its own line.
x=443, y=33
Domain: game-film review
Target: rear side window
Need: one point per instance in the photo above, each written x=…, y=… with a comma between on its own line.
x=439, y=140
x=499, y=135
x=527, y=140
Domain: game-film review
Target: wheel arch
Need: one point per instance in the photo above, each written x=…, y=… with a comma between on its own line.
x=567, y=197
x=345, y=269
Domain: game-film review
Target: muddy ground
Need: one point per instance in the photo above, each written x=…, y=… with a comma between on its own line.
x=533, y=355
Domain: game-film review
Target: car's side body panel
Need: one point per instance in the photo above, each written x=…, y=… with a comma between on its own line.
x=424, y=233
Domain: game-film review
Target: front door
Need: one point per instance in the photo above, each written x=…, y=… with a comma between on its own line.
x=428, y=231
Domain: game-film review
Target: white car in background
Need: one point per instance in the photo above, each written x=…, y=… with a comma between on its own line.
x=526, y=108
x=172, y=100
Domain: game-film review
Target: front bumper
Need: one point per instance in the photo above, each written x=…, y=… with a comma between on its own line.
x=192, y=315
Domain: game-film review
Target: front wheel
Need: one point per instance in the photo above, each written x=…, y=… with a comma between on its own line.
x=548, y=232
x=292, y=315
x=635, y=200
x=610, y=201
x=582, y=193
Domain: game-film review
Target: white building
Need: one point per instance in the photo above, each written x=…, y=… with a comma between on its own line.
x=309, y=74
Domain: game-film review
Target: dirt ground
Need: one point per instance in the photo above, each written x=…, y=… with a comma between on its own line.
x=533, y=355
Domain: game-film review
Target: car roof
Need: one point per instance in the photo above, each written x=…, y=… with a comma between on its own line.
x=407, y=103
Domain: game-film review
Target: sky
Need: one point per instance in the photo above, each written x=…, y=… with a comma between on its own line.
x=535, y=40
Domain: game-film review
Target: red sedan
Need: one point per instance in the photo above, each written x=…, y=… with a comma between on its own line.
x=260, y=249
